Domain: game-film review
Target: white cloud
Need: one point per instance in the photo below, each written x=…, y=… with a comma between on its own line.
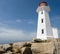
x=18, y=20
x=30, y=22
x=8, y=34
x=2, y=24
x=14, y=34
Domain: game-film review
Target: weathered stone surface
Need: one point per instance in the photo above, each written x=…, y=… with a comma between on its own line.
x=47, y=47
x=19, y=45
x=42, y=48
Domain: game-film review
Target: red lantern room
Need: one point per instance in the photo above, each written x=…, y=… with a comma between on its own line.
x=43, y=4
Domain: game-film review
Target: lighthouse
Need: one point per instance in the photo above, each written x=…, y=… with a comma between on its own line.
x=44, y=29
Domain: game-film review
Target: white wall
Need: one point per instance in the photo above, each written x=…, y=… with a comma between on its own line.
x=55, y=32
x=45, y=25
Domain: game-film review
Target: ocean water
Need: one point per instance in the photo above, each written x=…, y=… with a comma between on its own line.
x=11, y=41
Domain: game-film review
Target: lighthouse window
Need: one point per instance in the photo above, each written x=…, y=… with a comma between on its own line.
x=42, y=12
x=42, y=31
x=41, y=20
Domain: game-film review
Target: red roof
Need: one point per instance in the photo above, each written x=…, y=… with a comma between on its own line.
x=43, y=3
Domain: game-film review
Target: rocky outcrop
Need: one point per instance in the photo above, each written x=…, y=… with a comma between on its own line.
x=44, y=47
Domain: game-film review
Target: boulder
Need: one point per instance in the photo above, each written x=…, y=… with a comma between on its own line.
x=42, y=48
x=1, y=52
x=26, y=50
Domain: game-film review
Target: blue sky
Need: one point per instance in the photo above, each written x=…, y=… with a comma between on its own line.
x=18, y=18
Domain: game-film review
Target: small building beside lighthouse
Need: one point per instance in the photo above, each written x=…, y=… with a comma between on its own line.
x=44, y=28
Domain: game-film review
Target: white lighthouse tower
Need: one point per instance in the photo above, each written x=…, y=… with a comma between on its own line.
x=44, y=29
